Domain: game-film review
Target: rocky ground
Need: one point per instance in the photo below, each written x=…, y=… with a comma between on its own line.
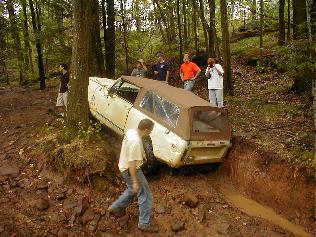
x=38, y=200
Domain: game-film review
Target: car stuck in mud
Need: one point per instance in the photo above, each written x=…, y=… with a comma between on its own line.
x=187, y=131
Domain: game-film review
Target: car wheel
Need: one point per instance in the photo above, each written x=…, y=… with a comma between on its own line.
x=152, y=165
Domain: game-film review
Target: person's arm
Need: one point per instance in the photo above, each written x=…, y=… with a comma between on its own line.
x=144, y=67
x=133, y=173
x=219, y=69
x=208, y=71
x=133, y=74
x=167, y=76
x=197, y=74
x=181, y=73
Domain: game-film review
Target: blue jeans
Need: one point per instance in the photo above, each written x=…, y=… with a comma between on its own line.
x=216, y=97
x=144, y=196
x=188, y=85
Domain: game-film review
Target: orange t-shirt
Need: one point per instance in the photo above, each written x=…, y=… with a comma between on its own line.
x=189, y=70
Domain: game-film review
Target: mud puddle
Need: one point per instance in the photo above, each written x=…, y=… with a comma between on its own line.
x=253, y=208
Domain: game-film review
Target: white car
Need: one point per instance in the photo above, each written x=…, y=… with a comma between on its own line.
x=187, y=131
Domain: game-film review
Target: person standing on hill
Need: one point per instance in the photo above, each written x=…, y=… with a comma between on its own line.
x=189, y=71
x=162, y=69
x=130, y=162
x=62, y=98
x=214, y=73
x=140, y=70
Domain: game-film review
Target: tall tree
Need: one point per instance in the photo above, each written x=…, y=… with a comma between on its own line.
x=313, y=39
x=78, y=110
x=194, y=20
x=213, y=34
x=281, y=40
x=180, y=31
x=36, y=29
x=98, y=68
x=288, y=34
x=124, y=30
x=17, y=41
x=261, y=31
x=228, y=82
x=185, y=26
x=206, y=28
x=109, y=40
x=253, y=9
x=27, y=46
x=299, y=19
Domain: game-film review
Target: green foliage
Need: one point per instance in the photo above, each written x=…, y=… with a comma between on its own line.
x=295, y=61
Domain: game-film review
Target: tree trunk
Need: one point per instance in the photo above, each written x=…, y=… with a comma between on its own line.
x=137, y=16
x=17, y=41
x=261, y=31
x=180, y=31
x=78, y=109
x=185, y=28
x=28, y=49
x=97, y=67
x=288, y=35
x=213, y=34
x=299, y=19
x=228, y=81
x=194, y=20
x=313, y=39
x=206, y=28
x=122, y=8
x=38, y=47
x=110, y=40
x=281, y=40
x=254, y=10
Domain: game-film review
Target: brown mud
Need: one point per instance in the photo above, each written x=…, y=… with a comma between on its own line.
x=37, y=200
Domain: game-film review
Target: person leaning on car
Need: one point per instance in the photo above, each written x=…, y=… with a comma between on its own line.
x=130, y=162
x=189, y=71
x=214, y=72
x=162, y=69
x=140, y=70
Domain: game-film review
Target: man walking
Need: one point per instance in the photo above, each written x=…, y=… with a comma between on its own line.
x=189, y=71
x=162, y=69
x=62, y=97
x=140, y=70
x=130, y=162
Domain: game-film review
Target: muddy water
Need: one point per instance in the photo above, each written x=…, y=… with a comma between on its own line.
x=253, y=208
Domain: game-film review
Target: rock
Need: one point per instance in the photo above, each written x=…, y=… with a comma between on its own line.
x=61, y=196
x=41, y=204
x=223, y=228
x=191, y=200
x=177, y=226
x=69, y=204
x=123, y=221
x=160, y=209
x=62, y=233
x=9, y=170
x=1, y=228
x=42, y=186
x=201, y=215
x=88, y=216
x=92, y=225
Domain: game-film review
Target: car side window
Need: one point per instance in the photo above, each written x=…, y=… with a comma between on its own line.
x=127, y=91
x=161, y=107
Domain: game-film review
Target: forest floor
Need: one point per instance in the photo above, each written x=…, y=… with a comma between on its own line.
x=255, y=192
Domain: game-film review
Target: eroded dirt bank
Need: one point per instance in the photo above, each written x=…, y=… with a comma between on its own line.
x=35, y=200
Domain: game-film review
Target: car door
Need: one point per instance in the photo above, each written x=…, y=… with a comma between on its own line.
x=118, y=104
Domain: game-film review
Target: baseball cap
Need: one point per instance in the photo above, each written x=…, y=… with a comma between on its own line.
x=159, y=54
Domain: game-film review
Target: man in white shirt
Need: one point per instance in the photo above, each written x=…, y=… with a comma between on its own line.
x=214, y=73
x=130, y=162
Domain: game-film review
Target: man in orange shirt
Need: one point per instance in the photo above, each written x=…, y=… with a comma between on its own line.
x=189, y=71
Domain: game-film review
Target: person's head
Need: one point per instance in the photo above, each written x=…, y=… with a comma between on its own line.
x=145, y=127
x=211, y=62
x=62, y=67
x=186, y=58
x=139, y=64
x=160, y=56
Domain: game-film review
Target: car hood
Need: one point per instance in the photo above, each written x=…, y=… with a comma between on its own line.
x=103, y=81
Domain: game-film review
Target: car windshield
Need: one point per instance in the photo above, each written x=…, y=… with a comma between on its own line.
x=207, y=122
x=162, y=108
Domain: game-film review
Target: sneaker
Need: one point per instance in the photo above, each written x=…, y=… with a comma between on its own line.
x=148, y=228
x=118, y=212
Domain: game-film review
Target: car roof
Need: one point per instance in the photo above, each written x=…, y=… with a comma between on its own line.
x=177, y=95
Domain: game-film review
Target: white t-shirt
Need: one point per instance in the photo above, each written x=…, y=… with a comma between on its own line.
x=215, y=80
x=132, y=150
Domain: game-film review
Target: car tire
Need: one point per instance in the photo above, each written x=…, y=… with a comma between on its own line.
x=150, y=167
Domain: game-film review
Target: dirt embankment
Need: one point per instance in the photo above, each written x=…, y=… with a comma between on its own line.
x=35, y=200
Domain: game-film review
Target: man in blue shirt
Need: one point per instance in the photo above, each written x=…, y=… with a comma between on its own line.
x=162, y=69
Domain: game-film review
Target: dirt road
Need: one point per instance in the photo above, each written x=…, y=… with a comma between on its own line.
x=35, y=200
